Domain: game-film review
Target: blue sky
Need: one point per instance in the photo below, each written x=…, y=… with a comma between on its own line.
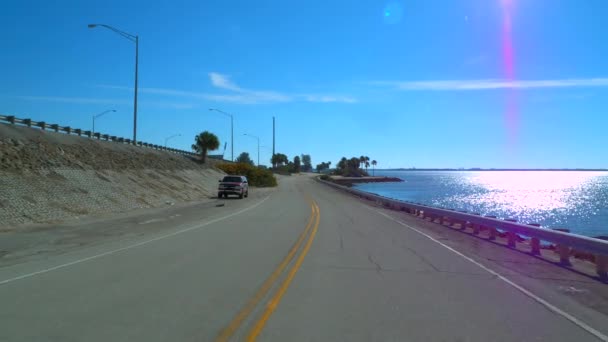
x=469, y=83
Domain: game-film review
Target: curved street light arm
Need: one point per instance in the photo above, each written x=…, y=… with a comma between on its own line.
x=129, y=36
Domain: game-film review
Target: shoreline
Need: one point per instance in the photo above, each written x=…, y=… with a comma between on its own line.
x=350, y=181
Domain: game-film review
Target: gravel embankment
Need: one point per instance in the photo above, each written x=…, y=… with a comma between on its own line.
x=49, y=177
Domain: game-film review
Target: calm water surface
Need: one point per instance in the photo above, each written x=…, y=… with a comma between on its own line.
x=556, y=199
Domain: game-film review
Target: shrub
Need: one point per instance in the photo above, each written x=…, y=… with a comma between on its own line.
x=283, y=170
x=257, y=176
x=326, y=177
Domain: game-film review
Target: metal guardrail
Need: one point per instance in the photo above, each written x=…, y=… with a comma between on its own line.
x=565, y=242
x=76, y=131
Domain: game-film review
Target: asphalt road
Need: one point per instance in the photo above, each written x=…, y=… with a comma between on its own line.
x=299, y=263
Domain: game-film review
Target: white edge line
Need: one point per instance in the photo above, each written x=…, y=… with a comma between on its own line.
x=6, y=281
x=521, y=289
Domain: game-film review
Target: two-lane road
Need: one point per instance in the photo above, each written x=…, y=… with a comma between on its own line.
x=305, y=263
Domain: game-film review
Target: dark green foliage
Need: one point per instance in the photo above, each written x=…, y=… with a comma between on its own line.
x=256, y=176
x=244, y=158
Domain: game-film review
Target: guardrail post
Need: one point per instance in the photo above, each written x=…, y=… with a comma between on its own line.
x=55, y=127
x=601, y=265
x=42, y=125
x=444, y=220
x=78, y=131
x=492, y=230
x=511, y=236
x=11, y=119
x=475, y=226
x=463, y=223
x=563, y=250
x=564, y=255
x=28, y=122
x=68, y=129
x=534, y=242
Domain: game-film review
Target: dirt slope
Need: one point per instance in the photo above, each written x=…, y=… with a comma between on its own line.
x=49, y=177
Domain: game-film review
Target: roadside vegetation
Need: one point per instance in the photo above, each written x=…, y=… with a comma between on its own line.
x=257, y=176
x=323, y=166
x=282, y=165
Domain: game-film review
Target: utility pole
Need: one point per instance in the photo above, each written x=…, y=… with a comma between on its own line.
x=273, y=136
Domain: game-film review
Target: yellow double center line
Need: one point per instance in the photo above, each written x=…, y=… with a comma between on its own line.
x=311, y=230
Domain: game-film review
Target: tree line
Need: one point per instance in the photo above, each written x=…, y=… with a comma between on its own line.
x=354, y=167
x=302, y=163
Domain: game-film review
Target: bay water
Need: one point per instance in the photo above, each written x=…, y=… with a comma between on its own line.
x=576, y=200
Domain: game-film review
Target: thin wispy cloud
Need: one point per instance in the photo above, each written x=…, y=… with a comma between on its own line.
x=106, y=101
x=489, y=84
x=74, y=100
x=223, y=81
x=326, y=99
x=234, y=93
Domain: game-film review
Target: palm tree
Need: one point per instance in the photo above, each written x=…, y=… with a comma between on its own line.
x=342, y=163
x=374, y=163
x=204, y=142
x=361, y=160
x=366, y=163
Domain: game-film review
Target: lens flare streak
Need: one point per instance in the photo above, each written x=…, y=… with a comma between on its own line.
x=508, y=57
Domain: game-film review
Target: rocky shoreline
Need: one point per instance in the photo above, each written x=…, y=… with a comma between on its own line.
x=349, y=181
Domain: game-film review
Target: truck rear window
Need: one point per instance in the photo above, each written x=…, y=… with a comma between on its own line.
x=232, y=179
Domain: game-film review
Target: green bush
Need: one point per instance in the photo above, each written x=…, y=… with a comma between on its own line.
x=326, y=177
x=283, y=170
x=257, y=176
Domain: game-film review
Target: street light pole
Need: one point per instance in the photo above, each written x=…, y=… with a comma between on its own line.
x=135, y=39
x=100, y=114
x=253, y=136
x=231, y=129
x=171, y=137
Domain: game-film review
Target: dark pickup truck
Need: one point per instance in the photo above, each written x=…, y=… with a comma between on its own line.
x=233, y=185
